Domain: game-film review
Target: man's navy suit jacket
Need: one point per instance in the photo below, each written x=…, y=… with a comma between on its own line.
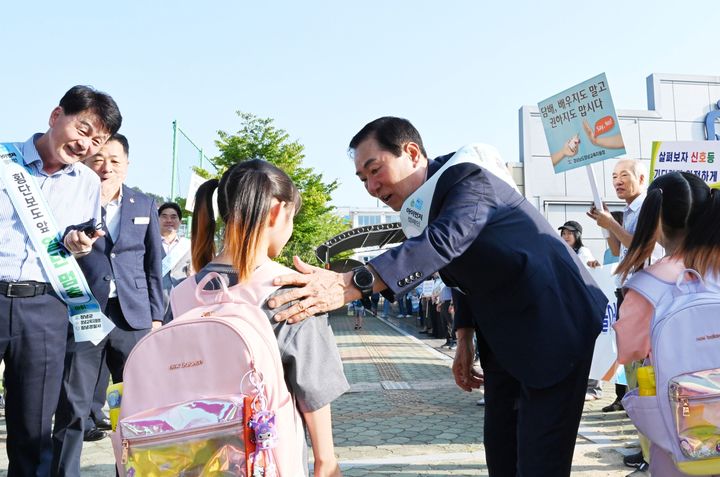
x=522, y=288
x=134, y=261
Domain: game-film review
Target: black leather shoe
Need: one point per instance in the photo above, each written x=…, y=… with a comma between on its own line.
x=615, y=406
x=94, y=434
x=103, y=424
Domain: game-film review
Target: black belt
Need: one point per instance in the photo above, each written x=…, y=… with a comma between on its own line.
x=25, y=289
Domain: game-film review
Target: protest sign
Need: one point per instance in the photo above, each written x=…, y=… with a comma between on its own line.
x=603, y=362
x=195, y=182
x=581, y=126
x=427, y=288
x=697, y=157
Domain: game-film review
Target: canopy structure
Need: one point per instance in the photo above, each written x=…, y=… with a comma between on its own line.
x=368, y=236
x=342, y=266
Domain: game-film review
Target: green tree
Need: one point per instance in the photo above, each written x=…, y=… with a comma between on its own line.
x=259, y=138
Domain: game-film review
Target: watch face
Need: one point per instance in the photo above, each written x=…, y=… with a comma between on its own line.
x=363, y=278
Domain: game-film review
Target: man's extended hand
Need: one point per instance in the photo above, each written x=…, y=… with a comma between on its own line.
x=465, y=375
x=319, y=291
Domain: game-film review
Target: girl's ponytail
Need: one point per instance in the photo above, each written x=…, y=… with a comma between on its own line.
x=203, y=225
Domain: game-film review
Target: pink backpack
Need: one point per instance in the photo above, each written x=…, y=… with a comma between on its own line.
x=205, y=394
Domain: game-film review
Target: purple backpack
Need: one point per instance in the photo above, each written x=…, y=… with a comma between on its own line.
x=683, y=418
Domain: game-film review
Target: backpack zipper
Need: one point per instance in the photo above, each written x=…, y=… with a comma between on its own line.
x=684, y=400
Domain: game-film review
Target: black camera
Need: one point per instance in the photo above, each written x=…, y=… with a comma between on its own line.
x=89, y=228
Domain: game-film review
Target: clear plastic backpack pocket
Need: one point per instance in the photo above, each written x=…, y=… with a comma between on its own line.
x=199, y=438
x=695, y=404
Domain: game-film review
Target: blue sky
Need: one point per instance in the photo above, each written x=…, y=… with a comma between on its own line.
x=459, y=70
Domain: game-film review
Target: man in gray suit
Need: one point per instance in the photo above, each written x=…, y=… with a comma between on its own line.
x=123, y=271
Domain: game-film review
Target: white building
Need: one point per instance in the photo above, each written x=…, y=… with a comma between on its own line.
x=362, y=216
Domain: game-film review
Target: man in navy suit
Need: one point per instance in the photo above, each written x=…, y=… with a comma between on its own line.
x=535, y=309
x=123, y=271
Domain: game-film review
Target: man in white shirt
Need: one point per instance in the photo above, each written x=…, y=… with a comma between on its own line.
x=177, y=259
x=33, y=317
x=630, y=182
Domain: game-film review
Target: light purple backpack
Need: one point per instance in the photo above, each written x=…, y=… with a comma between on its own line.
x=683, y=418
x=206, y=394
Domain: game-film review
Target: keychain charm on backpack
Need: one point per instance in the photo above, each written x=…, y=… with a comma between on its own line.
x=263, y=464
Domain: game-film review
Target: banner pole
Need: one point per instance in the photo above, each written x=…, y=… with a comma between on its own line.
x=596, y=194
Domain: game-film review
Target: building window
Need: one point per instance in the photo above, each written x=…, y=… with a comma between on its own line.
x=364, y=220
x=390, y=218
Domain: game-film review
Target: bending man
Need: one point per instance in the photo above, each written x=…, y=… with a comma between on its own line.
x=536, y=310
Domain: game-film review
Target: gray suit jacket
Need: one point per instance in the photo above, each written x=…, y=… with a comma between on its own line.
x=134, y=262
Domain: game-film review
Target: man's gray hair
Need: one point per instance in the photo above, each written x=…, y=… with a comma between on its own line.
x=639, y=169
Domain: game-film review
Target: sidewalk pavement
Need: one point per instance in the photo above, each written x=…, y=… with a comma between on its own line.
x=403, y=390
x=404, y=415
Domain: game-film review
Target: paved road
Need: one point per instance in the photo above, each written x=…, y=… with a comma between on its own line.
x=404, y=416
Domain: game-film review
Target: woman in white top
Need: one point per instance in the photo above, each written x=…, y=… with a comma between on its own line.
x=571, y=232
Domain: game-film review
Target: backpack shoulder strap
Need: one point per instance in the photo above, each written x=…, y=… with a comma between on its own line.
x=181, y=296
x=190, y=294
x=257, y=289
x=649, y=286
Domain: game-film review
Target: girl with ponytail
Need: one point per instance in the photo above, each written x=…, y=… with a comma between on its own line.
x=257, y=202
x=682, y=214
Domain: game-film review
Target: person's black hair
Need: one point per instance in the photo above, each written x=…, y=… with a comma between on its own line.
x=676, y=202
x=391, y=134
x=123, y=142
x=701, y=248
x=85, y=98
x=578, y=239
x=173, y=206
x=245, y=192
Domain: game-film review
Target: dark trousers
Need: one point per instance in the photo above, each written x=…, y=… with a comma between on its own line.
x=531, y=432
x=620, y=389
x=447, y=319
x=99, y=397
x=32, y=344
x=82, y=369
x=438, y=324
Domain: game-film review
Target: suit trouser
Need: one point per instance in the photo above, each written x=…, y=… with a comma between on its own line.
x=531, y=432
x=82, y=369
x=438, y=323
x=32, y=344
x=99, y=397
x=447, y=318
